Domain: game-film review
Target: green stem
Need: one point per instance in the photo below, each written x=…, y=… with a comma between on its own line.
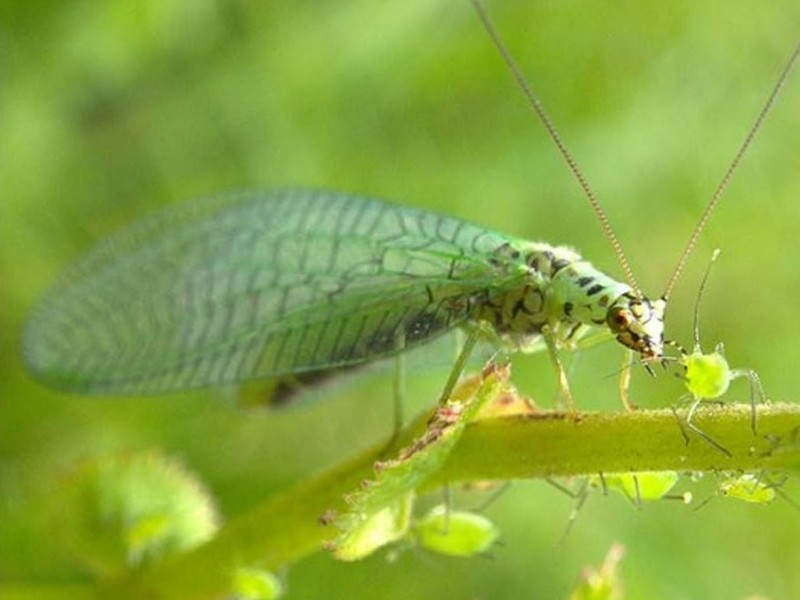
x=645, y=440
x=286, y=528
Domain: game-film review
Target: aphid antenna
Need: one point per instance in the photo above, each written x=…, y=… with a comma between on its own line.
x=493, y=497
x=789, y=500
x=726, y=179
x=538, y=108
x=700, y=290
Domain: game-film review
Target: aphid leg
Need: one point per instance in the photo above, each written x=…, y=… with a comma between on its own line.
x=580, y=496
x=700, y=432
x=705, y=502
x=778, y=487
x=603, y=485
x=756, y=392
x=624, y=385
x=637, y=500
x=458, y=367
x=679, y=421
x=493, y=496
x=563, y=381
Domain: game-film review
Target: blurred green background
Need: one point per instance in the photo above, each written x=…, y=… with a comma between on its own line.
x=111, y=110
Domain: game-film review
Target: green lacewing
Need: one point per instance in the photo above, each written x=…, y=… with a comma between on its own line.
x=263, y=284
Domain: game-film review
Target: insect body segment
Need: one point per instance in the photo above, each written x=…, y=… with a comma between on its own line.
x=274, y=283
x=568, y=294
x=747, y=487
x=707, y=375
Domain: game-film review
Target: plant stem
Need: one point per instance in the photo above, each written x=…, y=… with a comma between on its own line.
x=286, y=528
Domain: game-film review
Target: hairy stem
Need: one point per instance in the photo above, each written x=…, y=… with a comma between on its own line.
x=286, y=528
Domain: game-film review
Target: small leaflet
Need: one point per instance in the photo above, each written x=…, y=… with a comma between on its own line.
x=379, y=513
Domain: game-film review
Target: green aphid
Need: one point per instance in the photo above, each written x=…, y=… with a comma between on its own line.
x=747, y=487
x=708, y=376
x=638, y=487
x=753, y=488
x=454, y=533
x=252, y=583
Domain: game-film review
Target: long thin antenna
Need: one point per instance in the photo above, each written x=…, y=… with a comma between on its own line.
x=700, y=291
x=715, y=198
x=537, y=106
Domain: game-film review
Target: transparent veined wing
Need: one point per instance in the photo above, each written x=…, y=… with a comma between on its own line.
x=258, y=284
